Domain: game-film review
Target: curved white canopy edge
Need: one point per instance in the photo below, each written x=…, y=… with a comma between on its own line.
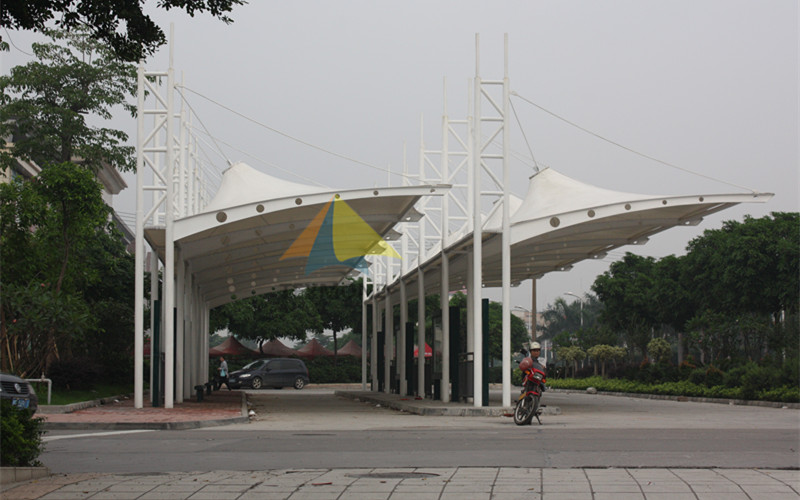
x=562, y=221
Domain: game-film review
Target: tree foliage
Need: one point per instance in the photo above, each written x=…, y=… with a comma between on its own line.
x=339, y=307
x=262, y=318
x=47, y=104
x=123, y=26
x=734, y=293
x=55, y=230
x=749, y=266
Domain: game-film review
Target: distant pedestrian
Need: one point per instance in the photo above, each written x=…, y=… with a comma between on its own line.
x=223, y=373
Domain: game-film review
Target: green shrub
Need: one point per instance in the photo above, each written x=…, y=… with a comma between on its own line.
x=22, y=436
x=681, y=388
x=714, y=376
x=697, y=376
x=74, y=374
x=733, y=377
x=323, y=371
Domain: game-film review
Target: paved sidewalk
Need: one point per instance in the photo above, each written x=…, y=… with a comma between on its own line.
x=496, y=483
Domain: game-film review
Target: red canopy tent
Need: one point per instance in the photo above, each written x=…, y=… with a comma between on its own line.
x=428, y=351
x=276, y=349
x=313, y=350
x=350, y=349
x=231, y=347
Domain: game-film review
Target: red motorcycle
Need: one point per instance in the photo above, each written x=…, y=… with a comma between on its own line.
x=533, y=380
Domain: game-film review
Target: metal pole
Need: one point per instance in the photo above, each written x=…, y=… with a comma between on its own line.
x=388, y=335
x=506, y=244
x=401, y=344
x=445, y=291
x=364, y=334
x=421, y=333
x=138, y=307
x=169, y=252
x=373, y=357
x=477, y=238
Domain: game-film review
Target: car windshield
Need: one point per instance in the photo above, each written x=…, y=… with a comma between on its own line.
x=254, y=365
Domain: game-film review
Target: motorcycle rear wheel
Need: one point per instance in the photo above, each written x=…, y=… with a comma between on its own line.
x=525, y=410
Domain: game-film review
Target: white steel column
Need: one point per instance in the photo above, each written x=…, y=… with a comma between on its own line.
x=138, y=307
x=373, y=351
x=155, y=349
x=169, y=250
x=364, y=327
x=445, y=288
x=401, y=344
x=179, y=330
x=421, y=333
x=445, y=301
x=506, y=244
x=475, y=294
x=388, y=336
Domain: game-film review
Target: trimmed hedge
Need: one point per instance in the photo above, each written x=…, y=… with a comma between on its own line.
x=785, y=394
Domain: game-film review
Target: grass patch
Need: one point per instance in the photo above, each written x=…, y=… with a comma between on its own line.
x=65, y=397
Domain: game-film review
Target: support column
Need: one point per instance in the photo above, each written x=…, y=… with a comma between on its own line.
x=401, y=343
x=155, y=348
x=421, y=333
x=506, y=244
x=445, y=302
x=475, y=294
x=364, y=328
x=373, y=357
x=138, y=307
x=179, y=331
x=169, y=252
x=388, y=336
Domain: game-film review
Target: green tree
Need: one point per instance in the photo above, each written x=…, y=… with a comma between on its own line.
x=339, y=307
x=561, y=316
x=659, y=350
x=627, y=291
x=603, y=353
x=749, y=266
x=50, y=226
x=45, y=104
x=283, y=313
x=519, y=334
x=571, y=354
x=123, y=26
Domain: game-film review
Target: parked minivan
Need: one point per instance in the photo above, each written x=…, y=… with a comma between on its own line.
x=273, y=372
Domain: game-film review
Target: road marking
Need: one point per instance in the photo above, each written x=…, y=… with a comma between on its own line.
x=93, y=434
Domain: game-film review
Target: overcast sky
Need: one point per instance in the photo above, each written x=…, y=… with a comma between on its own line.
x=709, y=86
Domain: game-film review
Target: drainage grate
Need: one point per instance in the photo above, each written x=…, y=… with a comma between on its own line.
x=395, y=475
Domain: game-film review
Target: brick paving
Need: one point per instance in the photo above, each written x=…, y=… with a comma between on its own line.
x=220, y=406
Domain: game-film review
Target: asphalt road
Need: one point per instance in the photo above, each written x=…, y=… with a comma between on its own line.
x=315, y=429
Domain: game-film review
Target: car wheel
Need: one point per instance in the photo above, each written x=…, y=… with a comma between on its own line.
x=299, y=383
x=256, y=383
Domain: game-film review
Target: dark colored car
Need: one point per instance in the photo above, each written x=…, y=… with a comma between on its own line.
x=18, y=391
x=275, y=372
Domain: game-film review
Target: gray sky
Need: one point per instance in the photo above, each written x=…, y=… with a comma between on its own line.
x=710, y=86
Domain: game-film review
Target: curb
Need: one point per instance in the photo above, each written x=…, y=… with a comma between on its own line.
x=10, y=475
x=693, y=399
x=446, y=411
x=82, y=405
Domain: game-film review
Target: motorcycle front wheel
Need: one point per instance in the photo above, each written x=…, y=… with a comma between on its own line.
x=525, y=409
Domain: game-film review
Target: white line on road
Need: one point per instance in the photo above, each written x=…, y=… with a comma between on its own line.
x=93, y=434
